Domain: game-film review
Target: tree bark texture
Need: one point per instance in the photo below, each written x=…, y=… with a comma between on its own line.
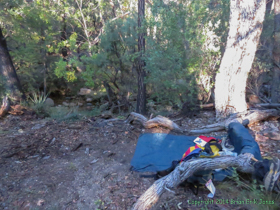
x=149, y=198
x=141, y=96
x=275, y=90
x=246, y=18
x=7, y=70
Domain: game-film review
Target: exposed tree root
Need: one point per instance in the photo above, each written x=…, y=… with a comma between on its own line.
x=187, y=169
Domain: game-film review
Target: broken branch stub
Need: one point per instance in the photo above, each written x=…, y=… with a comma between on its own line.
x=154, y=122
x=149, y=198
x=137, y=117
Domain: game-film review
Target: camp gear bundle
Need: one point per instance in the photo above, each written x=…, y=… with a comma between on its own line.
x=208, y=146
x=160, y=153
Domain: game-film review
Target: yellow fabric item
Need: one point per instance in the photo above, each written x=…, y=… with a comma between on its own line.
x=215, y=150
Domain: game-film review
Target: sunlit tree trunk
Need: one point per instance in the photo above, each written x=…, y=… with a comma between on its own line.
x=8, y=72
x=141, y=97
x=275, y=91
x=246, y=18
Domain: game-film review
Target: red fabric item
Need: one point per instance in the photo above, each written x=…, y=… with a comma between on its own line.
x=207, y=139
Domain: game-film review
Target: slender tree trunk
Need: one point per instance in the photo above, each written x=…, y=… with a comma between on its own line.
x=63, y=37
x=7, y=70
x=275, y=90
x=45, y=76
x=110, y=93
x=246, y=18
x=141, y=97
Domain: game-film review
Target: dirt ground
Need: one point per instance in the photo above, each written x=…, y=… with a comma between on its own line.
x=85, y=164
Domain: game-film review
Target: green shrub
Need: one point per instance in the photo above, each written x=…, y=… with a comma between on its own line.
x=37, y=101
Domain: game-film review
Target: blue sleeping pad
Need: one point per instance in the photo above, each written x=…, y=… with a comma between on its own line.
x=156, y=151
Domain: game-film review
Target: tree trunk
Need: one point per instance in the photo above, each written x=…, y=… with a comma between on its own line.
x=63, y=37
x=246, y=20
x=141, y=96
x=7, y=70
x=275, y=90
x=110, y=94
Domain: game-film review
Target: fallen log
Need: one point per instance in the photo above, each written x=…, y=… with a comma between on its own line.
x=244, y=118
x=187, y=169
x=154, y=122
x=5, y=106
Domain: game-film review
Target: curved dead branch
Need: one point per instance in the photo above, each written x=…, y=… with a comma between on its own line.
x=244, y=118
x=187, y=169
x=157, y=121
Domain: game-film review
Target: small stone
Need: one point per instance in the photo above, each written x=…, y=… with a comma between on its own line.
x=38, y=126
x=20, y=131
x=94, y=161
x=80, y=104
x=89, y=100
x=85, y=91
x=40, y=202
x=106, y=115
x=278, y=151
x=89, y=104
x=49, y=102
x=72, y=104
x=87, y=151
x=65, y=104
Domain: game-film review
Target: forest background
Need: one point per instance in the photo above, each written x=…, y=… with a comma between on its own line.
x=59, y=47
